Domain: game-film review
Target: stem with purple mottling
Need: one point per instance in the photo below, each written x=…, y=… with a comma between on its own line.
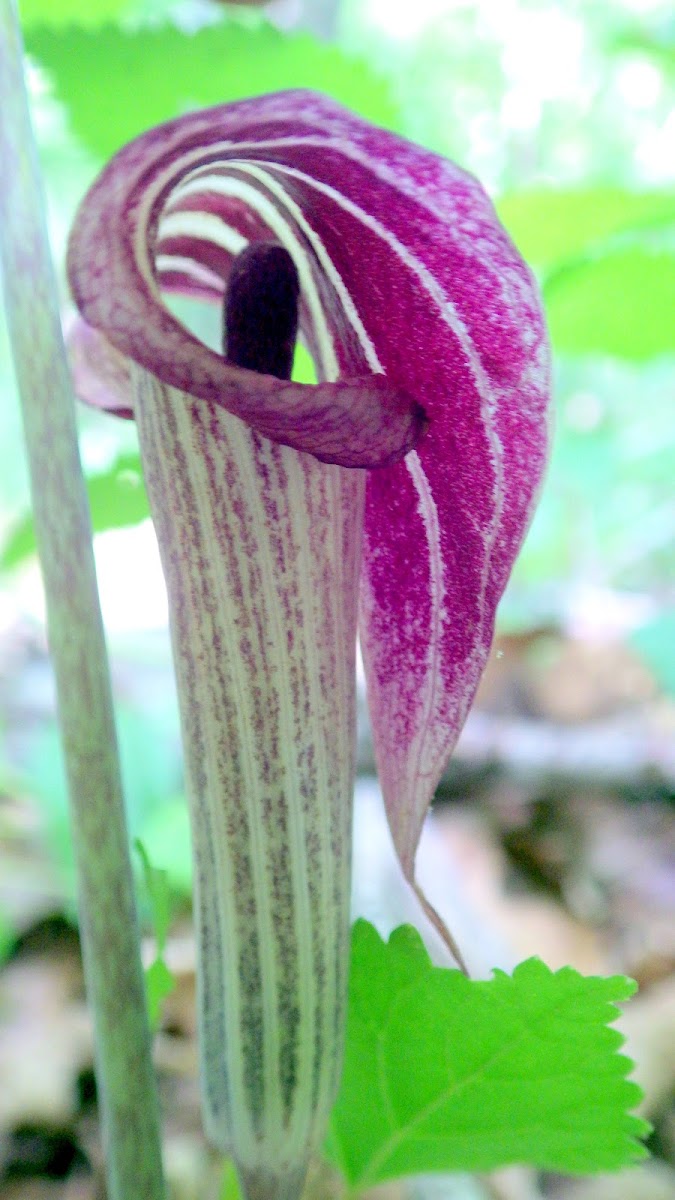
x=261, y=548
x=108, y=923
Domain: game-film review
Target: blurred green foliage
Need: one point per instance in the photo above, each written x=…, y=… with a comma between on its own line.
x=655, y=641
x=115, y=84
x=60, y=13
x=551, y=226
x=148, y=741
x=619, y=301
x=606, y=516
x=607, y=263
x=159, y=981
x=117, y=498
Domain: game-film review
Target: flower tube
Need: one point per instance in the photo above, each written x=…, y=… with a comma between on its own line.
x=396, y=492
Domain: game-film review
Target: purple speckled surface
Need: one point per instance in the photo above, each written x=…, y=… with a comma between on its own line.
x=411, y=288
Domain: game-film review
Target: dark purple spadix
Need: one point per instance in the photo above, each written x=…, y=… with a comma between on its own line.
x=261, y=310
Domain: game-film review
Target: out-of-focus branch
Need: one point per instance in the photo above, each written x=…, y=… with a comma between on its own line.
x=106, y=897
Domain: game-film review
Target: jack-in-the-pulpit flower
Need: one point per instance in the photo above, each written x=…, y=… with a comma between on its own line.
x=395, y=492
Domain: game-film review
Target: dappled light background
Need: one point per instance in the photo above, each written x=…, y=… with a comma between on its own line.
x=553, y=829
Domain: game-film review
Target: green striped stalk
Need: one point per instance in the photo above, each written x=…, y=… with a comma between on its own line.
x=261, y=551
x=106, y=902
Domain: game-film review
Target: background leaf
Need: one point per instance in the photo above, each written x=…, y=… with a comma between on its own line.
x=159, y=980
x=620, y=303
x=159, y=983
x=150, y=771
x=117, y=499
x=553, y=225
x=115, y=84
x=609, y=285
x=229, y=1189
x=59, y=13
x=443, y=1073
x=159, y=894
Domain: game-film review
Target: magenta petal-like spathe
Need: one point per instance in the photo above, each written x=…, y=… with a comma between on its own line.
x=123, y=247
x=407, y=281
x=443, y=528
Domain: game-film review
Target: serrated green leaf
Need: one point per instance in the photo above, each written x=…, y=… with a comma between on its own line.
x=443, y=1073
x=620, y=303
x=117, y=498
x=61, y=13
x=117, y=84
x=551, y=226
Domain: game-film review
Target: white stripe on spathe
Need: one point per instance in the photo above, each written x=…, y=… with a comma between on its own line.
x=203, y=225
x=205, y=180
x=222, y=185
x=216, y=231
x=429, y=514
x=187, y=164
x=451, y=317
x=212, y=183
x=440, y=299
x=165, y=263
x=219, y=184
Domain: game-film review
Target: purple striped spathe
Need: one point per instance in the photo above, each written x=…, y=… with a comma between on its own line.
x=428, y=337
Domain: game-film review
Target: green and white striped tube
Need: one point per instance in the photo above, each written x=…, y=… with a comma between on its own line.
x=261, y=551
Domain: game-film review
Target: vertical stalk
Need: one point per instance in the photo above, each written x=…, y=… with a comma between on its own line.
x=108, y=924
x=261, y=549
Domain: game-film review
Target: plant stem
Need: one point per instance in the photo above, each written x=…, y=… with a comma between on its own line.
x=108, y=925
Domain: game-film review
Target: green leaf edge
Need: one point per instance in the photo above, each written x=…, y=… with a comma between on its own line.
x=407, y=941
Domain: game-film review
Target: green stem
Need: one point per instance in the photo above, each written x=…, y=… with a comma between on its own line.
x=127, y=1089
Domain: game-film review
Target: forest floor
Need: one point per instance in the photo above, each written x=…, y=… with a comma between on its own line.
x=553, y=834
